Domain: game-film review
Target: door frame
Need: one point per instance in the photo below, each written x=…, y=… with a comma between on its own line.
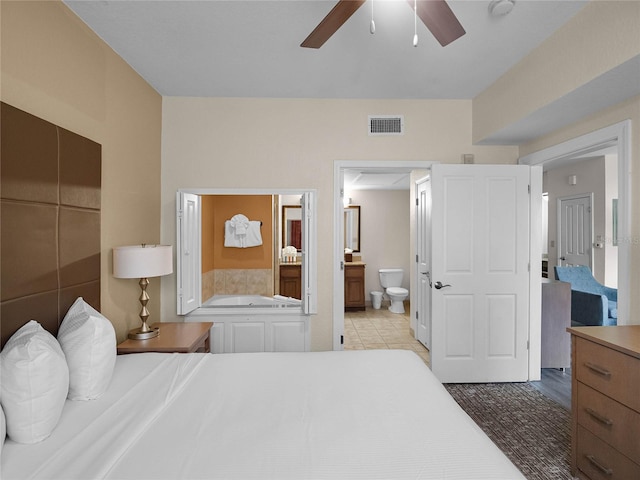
x=559, y=201
x=618, y=136
x=535, y=287
x=338, y=248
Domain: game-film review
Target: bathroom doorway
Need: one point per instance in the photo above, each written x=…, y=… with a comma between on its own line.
x=392, y=171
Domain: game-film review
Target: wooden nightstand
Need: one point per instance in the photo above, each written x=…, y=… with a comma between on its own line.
x=174, y=338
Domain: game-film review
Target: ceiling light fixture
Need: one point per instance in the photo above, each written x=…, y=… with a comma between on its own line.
x=499, y=8
x=415, y=23
x=372, y=27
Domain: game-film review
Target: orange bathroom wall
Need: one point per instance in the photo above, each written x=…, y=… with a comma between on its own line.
x=216, y=209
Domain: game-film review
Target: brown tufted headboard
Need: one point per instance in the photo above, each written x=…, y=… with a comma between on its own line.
x=50, y=181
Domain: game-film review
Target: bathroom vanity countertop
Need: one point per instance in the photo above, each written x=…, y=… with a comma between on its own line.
x=293, y=264
x=356, y=263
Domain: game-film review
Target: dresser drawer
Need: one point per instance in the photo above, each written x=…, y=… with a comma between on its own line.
x=613, y=373
x=609, y=420
x=600, y=461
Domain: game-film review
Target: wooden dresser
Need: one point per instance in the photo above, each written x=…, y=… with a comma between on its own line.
x=605, y=403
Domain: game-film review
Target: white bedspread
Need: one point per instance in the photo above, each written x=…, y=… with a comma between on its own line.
x=339, y=415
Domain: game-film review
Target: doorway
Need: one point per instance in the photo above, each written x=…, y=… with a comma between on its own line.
x=617, y=139
x=390, y=167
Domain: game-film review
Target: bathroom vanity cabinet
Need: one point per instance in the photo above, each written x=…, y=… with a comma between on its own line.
x=291, y=280
x=354, y=286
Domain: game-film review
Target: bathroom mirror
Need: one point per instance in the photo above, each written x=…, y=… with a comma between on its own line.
x=352, y=227
x=292, y=226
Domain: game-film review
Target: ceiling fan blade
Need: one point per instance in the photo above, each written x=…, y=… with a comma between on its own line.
x=331, y=23
x=439, y=19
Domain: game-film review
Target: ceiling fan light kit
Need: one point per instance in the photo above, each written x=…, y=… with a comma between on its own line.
x=435, y=14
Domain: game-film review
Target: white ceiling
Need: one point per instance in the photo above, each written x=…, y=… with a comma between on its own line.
x=240, y=48
x=377, y=178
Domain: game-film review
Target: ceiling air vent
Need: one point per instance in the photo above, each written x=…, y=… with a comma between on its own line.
x=386, y=125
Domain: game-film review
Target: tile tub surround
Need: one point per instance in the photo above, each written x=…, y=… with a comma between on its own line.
x=373, y=329
x=237, y=282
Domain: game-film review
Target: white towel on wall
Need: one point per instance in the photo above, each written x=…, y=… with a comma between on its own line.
x=230, y=237
x=240, y=224
x=253, y=238
x=250, y=235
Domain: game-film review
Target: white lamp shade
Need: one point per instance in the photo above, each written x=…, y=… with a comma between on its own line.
x=142, y=261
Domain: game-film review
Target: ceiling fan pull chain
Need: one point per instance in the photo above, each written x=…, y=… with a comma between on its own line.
x=415, y=23
x=372, y=27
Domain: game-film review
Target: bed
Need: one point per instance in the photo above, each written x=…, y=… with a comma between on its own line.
x=366, y=414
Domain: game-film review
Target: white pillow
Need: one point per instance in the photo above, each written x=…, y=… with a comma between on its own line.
x=35, y=382
x=88, y=340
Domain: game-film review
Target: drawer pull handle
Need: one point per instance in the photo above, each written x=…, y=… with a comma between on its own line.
x=600, y=418
x=599, y=466
x=598, y=369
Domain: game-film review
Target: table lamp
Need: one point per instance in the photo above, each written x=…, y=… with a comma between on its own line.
x=142, y=261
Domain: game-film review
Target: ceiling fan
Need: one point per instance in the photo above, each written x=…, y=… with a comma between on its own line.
x=435, y=14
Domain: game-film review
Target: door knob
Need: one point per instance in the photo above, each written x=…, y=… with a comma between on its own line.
x=439, y=285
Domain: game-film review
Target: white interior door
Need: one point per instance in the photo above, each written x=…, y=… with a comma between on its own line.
x=574, y=230
x=188, y=239
x=423, y=251
x=309, y=255
x=480, y=272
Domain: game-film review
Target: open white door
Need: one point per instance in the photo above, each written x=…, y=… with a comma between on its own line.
x=423, y=253
x=480, y=272
x=309, y=263
x=189, y=277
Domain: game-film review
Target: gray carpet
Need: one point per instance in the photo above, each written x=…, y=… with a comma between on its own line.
x=532, y=430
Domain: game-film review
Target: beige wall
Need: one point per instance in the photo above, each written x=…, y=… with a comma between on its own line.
x=293, y=143
x=603, y=35
x=54, y=67
x=385, y=228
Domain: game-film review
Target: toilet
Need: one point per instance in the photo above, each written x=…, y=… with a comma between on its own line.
x=391, y=279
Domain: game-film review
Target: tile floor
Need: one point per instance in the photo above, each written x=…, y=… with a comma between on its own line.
x=380, y=329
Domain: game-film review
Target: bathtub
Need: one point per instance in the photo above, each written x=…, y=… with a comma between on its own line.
x=250, y=301
x=253, y=323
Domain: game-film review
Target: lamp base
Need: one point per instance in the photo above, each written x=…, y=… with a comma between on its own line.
x=142, y=334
